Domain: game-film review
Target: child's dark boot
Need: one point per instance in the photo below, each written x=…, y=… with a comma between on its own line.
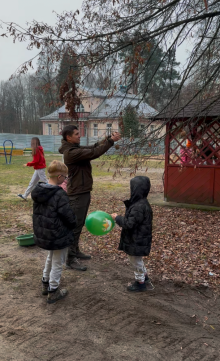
x=45, y=286
x=137, y=287
x=56, y=295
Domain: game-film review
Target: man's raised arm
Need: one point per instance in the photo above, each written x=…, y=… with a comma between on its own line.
x=84, y=153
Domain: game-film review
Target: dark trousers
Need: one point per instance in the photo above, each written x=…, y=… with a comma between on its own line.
x=80, y=205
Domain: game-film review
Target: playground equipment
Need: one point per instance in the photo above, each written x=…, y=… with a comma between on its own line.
x=7, y=153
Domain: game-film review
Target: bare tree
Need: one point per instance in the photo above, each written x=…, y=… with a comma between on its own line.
x=100, y=33
x=110, y=27
x=22, y=103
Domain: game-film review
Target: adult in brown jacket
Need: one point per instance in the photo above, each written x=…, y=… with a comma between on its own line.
x=77, y=159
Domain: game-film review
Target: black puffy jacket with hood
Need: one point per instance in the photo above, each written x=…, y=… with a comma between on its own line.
x=136, y=235
x=53, y=218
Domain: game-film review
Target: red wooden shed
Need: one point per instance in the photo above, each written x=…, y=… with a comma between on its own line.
x=192, y=155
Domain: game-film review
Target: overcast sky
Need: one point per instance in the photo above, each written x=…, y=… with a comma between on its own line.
x=22, y=11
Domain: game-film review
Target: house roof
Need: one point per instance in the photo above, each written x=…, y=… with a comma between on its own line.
x=96, y=92
x=203, y=108
x=55, y=115
x=111, y=106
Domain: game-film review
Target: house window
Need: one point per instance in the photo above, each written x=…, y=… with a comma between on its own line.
x=95, y=130
x=49, y=129
x=152, y=127
x=85, y=130
x=109, y=129
x=80, y=109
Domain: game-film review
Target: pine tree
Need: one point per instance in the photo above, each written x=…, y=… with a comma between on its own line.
x=160, y=78
x=130, y=123
x=151, y=71
x=45, y=83
x=68, y=69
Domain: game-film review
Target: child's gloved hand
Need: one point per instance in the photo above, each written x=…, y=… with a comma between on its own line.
x=114, y=215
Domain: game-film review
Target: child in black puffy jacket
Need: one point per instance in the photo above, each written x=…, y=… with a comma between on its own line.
x=136, y=235
x=53, y=223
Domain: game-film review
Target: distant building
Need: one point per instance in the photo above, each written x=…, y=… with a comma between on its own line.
x=99, y=113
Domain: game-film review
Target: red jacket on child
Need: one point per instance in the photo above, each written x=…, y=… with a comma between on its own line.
x=38, y=161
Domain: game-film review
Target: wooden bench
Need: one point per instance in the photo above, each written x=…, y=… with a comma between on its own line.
x=8, y=151
x=27, y=151
x=14, y=151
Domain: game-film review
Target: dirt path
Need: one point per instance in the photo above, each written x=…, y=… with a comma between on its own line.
x=99, y=320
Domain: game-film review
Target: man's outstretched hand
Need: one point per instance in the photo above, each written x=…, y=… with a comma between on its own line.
x=116, y=136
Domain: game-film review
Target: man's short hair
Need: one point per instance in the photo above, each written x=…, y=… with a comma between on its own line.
x=68, y=130
x=56, y=167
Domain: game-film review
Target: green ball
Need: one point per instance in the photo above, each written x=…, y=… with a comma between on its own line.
x=99, y=223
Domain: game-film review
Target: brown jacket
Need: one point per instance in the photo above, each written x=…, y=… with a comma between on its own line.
x=77, y=159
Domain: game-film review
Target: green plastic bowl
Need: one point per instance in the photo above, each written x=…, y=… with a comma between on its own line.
x=26, y=240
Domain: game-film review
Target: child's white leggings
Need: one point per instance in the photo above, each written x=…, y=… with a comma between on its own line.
x=53, y=267
x=39, y=175
x=138, y=265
